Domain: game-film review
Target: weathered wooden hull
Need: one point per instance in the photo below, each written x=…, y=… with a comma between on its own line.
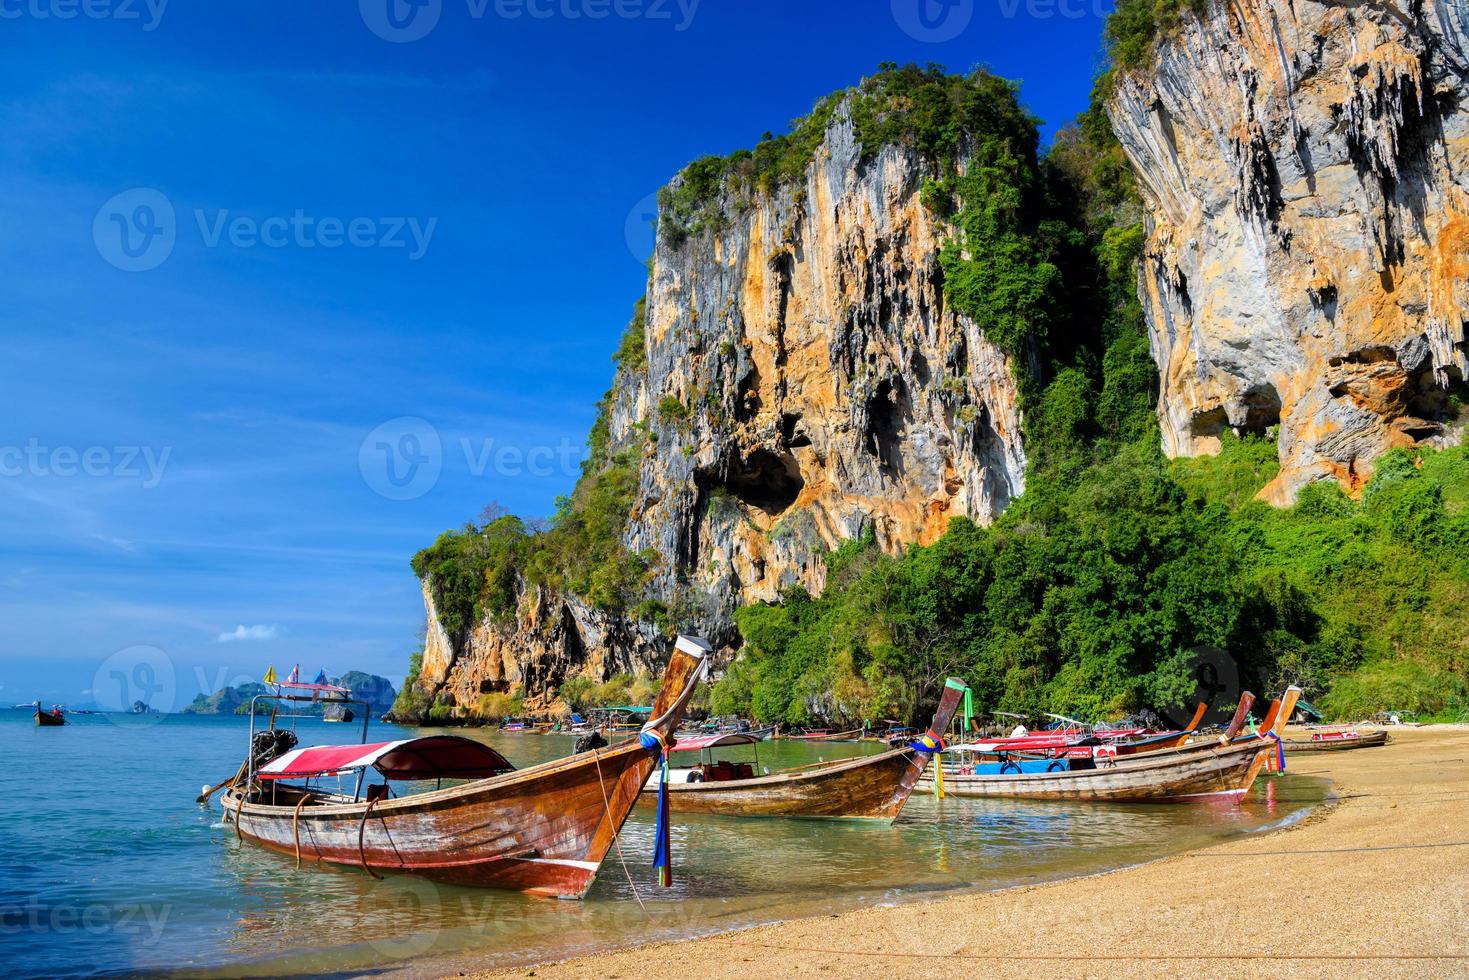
x=874, y=787
x=1171, y=775
x=542, y=830
x=1363, y=741
x=49, y=721
x=539, y=832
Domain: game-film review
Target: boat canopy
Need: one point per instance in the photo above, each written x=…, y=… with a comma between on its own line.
x=697, y=743
x=430, y=757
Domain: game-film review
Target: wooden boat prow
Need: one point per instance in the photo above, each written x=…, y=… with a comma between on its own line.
x=542, y=830
x=1223, y=768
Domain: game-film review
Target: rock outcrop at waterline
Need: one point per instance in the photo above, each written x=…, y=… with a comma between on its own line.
x=1305, y=169
x=801, y=382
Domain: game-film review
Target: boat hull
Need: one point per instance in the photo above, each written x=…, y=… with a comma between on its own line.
x=873, y=787
x=1171, y=775
x=542, y=830
x=49, y=721
x=545, y=835
x=1364, y=741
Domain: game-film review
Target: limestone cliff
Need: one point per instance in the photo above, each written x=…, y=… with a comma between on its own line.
x=801, y=381
x=1305, y=170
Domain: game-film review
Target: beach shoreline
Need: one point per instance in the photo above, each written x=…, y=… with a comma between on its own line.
x=1375, y=882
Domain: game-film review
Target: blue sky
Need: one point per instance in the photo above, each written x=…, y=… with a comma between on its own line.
x=245, y=240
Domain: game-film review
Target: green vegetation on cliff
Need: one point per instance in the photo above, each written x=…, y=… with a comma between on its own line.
x=1102, y=586
x=477, y=572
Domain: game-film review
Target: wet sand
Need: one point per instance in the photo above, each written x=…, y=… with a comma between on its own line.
x=1375, y=884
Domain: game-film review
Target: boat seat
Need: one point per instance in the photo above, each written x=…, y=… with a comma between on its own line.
x=743, y=770
x=377, y=791
x=721, y=771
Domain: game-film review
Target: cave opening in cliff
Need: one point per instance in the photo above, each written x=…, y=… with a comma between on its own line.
x=1261, y=404
x=764, y=480
x=885, y=417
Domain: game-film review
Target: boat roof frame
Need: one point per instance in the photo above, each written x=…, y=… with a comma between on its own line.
x=299, y=698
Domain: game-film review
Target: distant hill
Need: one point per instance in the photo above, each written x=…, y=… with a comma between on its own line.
x=377, y=691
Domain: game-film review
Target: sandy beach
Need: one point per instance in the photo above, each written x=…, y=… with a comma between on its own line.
x=1373, y=884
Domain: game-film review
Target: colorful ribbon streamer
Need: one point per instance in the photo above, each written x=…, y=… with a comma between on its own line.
x=654, y=739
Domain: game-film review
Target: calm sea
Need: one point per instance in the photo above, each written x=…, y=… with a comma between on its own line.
x=108, y=866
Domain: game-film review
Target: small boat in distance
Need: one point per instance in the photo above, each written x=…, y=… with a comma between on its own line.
x=542, y=830
x=49, y=719
x=822, y=735
x=1336, y=741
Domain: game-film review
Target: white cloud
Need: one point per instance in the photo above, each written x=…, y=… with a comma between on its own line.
x=249, y=633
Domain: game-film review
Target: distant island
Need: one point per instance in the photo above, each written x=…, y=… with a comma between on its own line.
x=377, y=691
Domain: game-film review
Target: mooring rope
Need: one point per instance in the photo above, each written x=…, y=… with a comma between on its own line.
x=361, y=831
x=296, y=828
x=616, y=837
x=238, y=807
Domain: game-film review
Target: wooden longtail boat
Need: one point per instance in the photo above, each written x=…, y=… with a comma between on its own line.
x=851, y=736
x=1221, y=768
x=1335, y=741
x=874, y=786
x=542, y=830
x=49, y=719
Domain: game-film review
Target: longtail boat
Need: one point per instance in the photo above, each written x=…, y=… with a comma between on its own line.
x=824, y=736
x=1082, y=745
x=1336, y=741
x=874, y=786
x=542, y=830
x=49, y=719
x=1221, y=768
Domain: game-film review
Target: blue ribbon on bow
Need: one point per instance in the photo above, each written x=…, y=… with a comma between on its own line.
x=1279, y=751
x=654, y=739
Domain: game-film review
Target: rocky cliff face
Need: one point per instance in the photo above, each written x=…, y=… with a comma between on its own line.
x=1305, y=169
x=802, y=382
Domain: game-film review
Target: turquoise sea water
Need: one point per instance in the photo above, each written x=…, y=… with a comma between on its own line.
x=107, y=865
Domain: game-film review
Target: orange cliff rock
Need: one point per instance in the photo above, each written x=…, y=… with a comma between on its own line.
x=1305, y=171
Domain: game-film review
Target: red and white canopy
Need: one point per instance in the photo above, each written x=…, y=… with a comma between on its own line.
x=431, y=757
x=696, y=743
